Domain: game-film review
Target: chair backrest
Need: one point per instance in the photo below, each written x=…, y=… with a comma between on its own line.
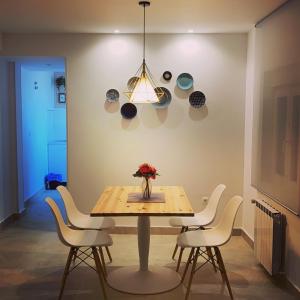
x=73, y=213
x=210, y=210
x=227, y=219
x=62, y=229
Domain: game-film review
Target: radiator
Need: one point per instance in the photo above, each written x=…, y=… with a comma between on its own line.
x=268, y=237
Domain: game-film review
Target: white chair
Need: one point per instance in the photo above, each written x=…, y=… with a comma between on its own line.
x=203, y=218
x=82, y=221
x=76, y=240
x=213, y=238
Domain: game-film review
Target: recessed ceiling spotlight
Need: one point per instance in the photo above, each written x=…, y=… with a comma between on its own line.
x=190, y=31
x=116, y=31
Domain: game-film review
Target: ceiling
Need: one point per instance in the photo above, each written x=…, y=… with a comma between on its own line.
x=107, y=16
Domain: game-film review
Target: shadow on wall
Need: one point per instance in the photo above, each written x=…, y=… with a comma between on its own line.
x=198, y=114
x=181, y=93
x=162, y=114
x=130, y=124
x=112, y=107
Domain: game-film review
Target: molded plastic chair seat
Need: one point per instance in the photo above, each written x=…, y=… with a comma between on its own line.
x=203, y=218
x=206, y=216
x=201, y=238
x=200, y=219
x=96, y=223
x=87, y=238
x=76, y=239
x=210, y=239
x=216, y=236
x=83, y=221
x=80, y=220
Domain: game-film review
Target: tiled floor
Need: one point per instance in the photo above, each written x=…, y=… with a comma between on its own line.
x=32, y=261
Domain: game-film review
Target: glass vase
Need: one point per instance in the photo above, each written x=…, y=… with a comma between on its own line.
x=146, y=188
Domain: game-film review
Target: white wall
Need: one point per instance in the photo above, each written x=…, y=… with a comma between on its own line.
x=281, y=33
x=196, y=149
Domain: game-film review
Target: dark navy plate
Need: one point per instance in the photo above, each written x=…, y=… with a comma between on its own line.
x=128, y=111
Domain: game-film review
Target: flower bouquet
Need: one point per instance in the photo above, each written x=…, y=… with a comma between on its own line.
x=147, y=172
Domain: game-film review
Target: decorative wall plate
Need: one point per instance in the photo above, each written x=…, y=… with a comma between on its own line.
x=197, y=99
x=185, y=81
x=165, y=100
x=128, y=110
x=131, y=82
x=167, y=75
x=112, y=95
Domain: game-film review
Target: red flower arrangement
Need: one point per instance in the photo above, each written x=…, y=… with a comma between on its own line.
x=147, y=171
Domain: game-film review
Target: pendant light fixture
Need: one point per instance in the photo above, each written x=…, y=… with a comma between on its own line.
x=143, y=89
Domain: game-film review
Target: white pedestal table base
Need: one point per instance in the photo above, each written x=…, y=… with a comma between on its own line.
x=155, y=280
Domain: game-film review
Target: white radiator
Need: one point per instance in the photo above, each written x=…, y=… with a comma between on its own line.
x=268, y=236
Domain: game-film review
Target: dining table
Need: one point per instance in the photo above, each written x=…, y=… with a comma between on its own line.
x=127, y=201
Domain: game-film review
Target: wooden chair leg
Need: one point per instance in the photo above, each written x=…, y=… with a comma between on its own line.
x=223, y=270
x=192, y=274
x=176, y=246
x=175, y=251
x=187, y=264
x=179, y=258
x=108, y=253
x=66, y=271
x=102, y=261
x=211, y=257
x=74, y=256
x=99, y=270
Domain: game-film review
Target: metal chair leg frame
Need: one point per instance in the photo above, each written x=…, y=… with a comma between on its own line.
x=66, y=271
x=211, y=257
x=99, y=270
x=195, y=258
x=108, y=253
x=74, y=256
x=223, y=270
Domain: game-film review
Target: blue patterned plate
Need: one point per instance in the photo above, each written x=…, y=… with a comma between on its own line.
x=128, y=110
x=185, y=81
x=112, y=95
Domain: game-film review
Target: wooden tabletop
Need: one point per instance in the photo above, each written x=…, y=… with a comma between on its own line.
x=113, y=202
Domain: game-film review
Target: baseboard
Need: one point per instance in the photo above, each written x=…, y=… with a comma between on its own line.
x=15, y=216
x=36, y=194
x=11, y=219
x=247, y=238
x=160, y=230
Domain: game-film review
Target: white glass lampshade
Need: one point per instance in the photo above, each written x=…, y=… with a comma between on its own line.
x=143, y=91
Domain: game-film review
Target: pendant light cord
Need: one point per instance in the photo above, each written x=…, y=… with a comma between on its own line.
x=144, y=32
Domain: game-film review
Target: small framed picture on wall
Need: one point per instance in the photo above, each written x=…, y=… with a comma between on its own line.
x=61, y=97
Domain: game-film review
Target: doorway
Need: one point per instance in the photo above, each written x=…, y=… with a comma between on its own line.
x=42, y=136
